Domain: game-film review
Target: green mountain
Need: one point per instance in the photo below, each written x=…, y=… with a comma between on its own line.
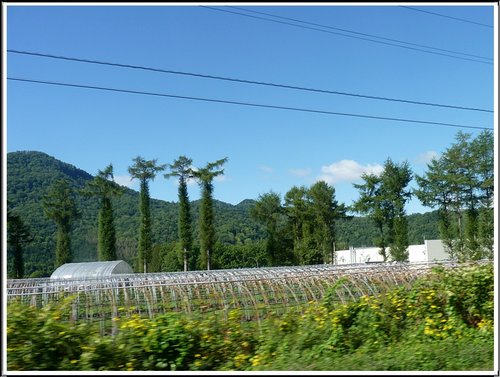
x=30, y=175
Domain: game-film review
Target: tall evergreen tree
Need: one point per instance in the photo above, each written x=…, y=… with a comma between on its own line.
x=144, y=171
x=18, y=236
x=59, y=205
x=268, y=210
x=205, y=177
x=103, y=187
x=182, y=168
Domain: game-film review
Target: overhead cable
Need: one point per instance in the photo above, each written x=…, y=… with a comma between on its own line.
x=246, y=103
x=244, y=81
x=364, y=34
x=443, y=15
x=348, y=35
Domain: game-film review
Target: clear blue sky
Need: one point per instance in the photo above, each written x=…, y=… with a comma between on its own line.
x=268, y=149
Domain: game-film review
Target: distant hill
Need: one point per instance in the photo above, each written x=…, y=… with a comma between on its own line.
x=30, y=175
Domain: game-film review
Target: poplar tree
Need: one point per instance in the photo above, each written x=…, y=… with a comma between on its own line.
x=182, y=168
x=18, y=236
x=144, y=171
x=59, y=206
x=103, y=187
x=205, y=177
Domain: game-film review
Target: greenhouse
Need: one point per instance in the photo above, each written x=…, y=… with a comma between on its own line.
x=255, y=291
x=91, y=269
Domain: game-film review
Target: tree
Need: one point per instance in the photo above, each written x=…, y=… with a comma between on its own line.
x=325, y=212
x=144, y=171
x=103, y=187
x=268, y=211
x=460, y=184
x=383, y=199
x=371, y=204
x=18, y=236
x=297, y=209
x=394, y=181
x=205, y=177
x=182, y=168
x=59, y=206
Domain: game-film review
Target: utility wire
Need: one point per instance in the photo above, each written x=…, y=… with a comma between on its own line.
x=244, y=103
x=359, y=33
x=347, y=35
x=443, y=15
x=248, y=81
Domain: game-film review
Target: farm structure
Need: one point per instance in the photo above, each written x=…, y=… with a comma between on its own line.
x=255, y=291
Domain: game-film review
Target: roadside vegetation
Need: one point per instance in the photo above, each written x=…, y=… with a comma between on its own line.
x=443, y=322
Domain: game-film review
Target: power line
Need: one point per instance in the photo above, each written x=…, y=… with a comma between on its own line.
x=347, y=35
x=443, y=15
x=244, y=103
x=285, y=86
x=359, y=33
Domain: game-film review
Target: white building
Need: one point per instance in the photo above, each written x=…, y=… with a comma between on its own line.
x=431, y=250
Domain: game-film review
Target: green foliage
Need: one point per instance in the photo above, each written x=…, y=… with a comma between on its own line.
x=59, y=205
x=207, y=236
x=182, y=168
x=44, y=339
x=144, y=171
x=103, y=187
x=383, y=199
x=31, y=174
x=18, y=235
x=460, y=185
x=443, y=322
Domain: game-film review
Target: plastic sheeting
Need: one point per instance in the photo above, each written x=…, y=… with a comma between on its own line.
x=91, y=269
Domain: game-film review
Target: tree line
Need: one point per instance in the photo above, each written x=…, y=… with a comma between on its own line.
x=301, y=229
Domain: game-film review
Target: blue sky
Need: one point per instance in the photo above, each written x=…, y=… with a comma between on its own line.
x=268, y=149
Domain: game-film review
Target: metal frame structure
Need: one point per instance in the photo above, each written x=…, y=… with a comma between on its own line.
x=256, y=291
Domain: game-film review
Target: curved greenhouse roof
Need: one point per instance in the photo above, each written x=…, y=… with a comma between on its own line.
x=91, y=269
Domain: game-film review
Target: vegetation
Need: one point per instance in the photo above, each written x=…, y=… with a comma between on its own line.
x=443, y=322
x=182, y=168
x=103, y=187
x=144, y=171
x=18, y=235
x=460, y=184
x=59, y=205
x=207, y=235
x=383, y=199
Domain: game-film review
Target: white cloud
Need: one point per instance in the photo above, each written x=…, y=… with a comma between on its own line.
x=426, y=157
x=266, y=169
x=300, y=172
x=124, y=180
x=220, y=178
x=347, y=171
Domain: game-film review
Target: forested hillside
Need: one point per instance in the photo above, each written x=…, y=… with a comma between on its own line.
x=30, y=175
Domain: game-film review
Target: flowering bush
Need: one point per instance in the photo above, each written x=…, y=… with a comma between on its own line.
x=445, y=321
